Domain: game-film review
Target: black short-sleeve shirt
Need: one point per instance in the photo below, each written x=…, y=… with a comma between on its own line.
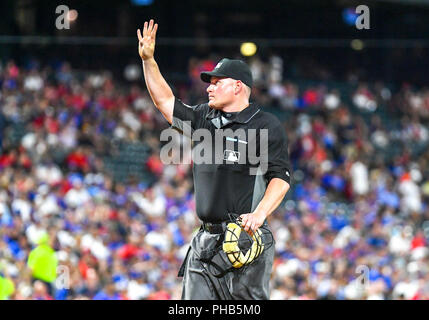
x=235, y=155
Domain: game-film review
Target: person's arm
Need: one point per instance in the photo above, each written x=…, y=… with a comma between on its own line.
x=274, y=194
x=277, y=175
x=160, y=92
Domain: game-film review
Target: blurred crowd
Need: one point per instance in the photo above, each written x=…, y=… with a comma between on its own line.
x=354, y=225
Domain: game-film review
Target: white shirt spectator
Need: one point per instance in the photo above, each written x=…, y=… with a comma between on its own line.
x=411, y=197
x=332, y=101
x=405, y=289
x=257, y=68
x=360, y=181
x=345, y=236
x=277, y=90
x=76, y=197
x=364, y=102
x=282, y=236
x=46, y=205
x=68, y=137
x=52, y=139
x=33, y=82
x=24, y=208
x=158, y=240
x=143, y=103
x=4, y=211
x=399, y=243
x=137, y=291
x=276, y=69
x=154, y=206
x=66, y=239
x=34, y=233
x=278, y=294
x=29, y=140
x=131, y=120
x=380, y=138
x=120, y=132
x=96, y=246
x=416, y=101
x=354, y=290
x=288, y=268
x=49, y=174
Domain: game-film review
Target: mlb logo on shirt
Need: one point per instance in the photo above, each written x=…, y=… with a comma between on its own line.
x=230, y=155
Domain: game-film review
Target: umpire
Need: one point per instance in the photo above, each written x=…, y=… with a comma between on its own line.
x=227, y=186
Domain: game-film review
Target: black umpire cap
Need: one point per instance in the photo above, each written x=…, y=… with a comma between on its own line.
x=235, y=69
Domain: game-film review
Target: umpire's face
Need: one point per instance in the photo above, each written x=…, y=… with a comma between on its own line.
x=222, y=92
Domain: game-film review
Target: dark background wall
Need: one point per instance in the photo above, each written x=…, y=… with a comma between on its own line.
x=196, y=28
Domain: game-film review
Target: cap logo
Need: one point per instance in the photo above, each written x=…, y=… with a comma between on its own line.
x=218, y=65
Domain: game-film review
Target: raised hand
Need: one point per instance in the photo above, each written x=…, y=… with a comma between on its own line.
x=147, y=41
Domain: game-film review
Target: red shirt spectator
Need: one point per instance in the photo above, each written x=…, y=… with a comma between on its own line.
x=155, y=165
x=7, y=159
x=77, y=159
x=128, y=251
x=311, y=97
x=418, y=241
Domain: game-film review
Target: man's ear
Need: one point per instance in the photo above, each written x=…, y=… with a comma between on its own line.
x=238, y=87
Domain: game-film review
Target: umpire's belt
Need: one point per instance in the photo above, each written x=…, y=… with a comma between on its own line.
x=215, y=228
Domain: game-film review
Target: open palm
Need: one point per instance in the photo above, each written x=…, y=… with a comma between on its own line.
x=147, y=41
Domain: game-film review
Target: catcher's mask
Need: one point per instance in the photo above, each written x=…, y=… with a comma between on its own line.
x=236, y=249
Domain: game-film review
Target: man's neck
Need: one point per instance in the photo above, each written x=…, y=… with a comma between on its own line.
x=236, y=107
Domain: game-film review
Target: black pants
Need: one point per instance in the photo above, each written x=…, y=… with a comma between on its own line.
x=251, y=283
